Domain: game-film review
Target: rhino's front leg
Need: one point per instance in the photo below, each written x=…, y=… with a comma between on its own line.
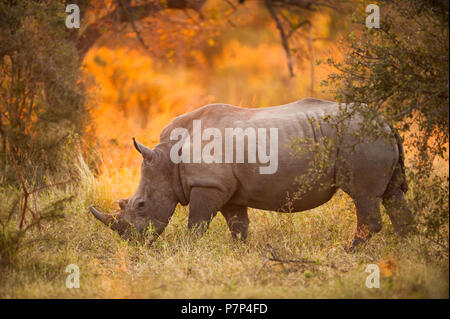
x=203, y=207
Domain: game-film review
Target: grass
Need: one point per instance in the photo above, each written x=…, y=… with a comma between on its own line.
x=179, y=265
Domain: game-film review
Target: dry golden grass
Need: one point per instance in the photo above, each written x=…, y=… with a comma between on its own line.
x=180, y=265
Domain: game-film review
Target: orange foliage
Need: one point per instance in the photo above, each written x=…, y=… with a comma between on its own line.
x=135, y=95
x=388, y=266
x=133, y=99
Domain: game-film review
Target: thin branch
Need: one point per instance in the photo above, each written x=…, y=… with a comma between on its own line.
x=133, y=25
x=24, y=190
x=295, y=29
x=309, y=5
x=298, y=261
x=311, y=58
x=96, y=29
x=227, y=16
x=231, y=5
x=27, y=194
x=52, y=185
x=284, y=38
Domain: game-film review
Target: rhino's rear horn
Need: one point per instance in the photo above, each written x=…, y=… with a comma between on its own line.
x=108, y=220
x=148, y=154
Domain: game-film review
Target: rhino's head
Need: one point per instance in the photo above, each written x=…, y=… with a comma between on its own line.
x=150, y=208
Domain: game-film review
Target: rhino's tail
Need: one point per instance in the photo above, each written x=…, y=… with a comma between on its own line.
x=398, y=178
x=401, y=161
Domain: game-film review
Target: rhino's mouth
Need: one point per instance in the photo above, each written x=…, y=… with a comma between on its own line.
x=127, y=230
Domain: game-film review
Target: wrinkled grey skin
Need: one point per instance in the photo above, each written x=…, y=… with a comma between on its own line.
x=375, y=170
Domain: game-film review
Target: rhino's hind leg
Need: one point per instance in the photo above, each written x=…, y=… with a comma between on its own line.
x=237, y=220
x=397, y=208
x=368, y=219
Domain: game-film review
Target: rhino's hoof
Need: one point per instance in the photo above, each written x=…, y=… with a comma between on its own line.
x=357, y=242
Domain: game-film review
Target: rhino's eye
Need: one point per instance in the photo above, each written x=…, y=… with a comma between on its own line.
x=140, y=204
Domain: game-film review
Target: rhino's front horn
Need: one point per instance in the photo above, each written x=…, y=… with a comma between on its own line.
x=108, y=220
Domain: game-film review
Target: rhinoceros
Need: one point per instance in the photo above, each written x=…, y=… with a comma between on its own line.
x=374, y=167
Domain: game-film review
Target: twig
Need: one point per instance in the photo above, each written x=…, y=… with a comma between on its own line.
x=299, y=261
x=24, y=190
x=284, y=38
x=298, y=26
x=133, y=25
x=27, y=194
x=52, y=185
x=231, y=5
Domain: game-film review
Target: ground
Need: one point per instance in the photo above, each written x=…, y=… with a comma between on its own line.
x=286, y=256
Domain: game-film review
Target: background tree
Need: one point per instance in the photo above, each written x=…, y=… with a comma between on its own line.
x=42, y=112
x=41, y=105
x=290, y=16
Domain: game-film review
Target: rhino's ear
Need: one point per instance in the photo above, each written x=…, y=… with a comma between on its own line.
x=149, y=155
x=123, y=203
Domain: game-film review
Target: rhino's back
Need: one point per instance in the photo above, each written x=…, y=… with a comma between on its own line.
x=293, y=119
x=264, y=191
